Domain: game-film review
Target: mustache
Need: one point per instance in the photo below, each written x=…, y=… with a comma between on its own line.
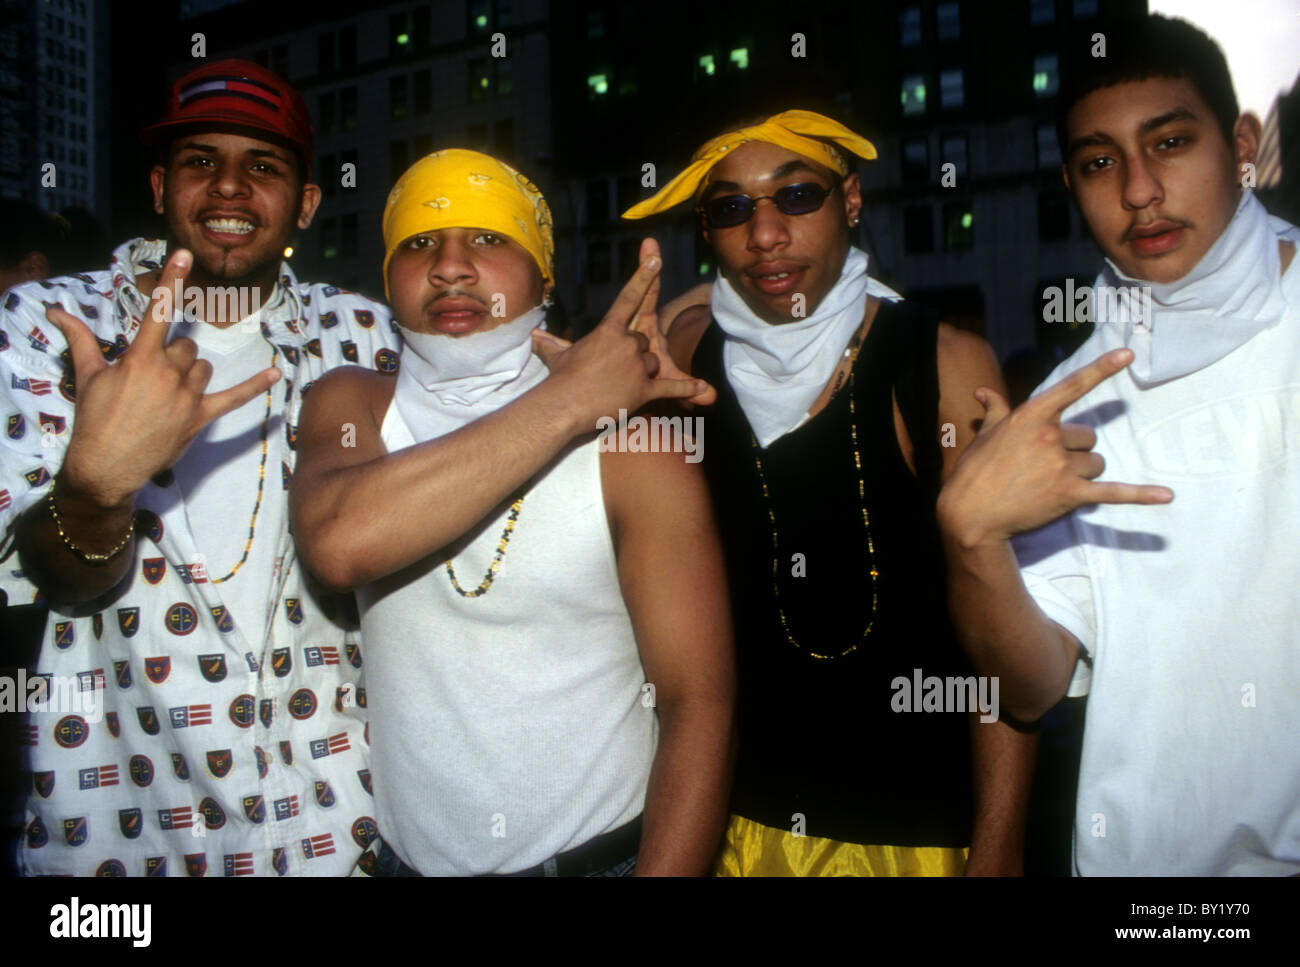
x=1138, y=229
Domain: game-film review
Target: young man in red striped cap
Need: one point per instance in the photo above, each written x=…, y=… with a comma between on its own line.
x=839, y=410
x=203, y=713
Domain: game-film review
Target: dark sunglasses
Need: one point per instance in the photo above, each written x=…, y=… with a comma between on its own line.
x=729, y=211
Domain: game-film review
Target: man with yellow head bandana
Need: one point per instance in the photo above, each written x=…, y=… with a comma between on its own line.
x=538, y=704
x=840, y=409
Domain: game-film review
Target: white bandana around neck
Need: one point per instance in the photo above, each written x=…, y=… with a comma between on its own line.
x=1233, y=293
x=777, y=372
x=447, y=382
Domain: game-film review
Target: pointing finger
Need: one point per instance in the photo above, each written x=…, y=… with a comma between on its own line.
x=218, y=404
x=1075, y=386
x=629, y=299
x=158, y=317
x=1122, y=493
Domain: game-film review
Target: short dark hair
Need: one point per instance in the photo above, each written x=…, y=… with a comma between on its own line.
x=1140, y=48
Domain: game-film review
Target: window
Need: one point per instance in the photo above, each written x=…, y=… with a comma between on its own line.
x=1053, y=216
x=329, y=238
x=480, y=79
x=597, y=86
x=399, y=34
x=349, y=248
x=913, y=95
x=503, y=138
x=328, y=175
x=598, y=200
x=598, y=262
x=918, y=229
x=324, y=53
x=909, y=27
x=628, y=250
x=705, y=66
x=505, y=79
x=348, y=109
x=478, y=16
x=1042, y=11
x=948, y=16
x=348, y=47
x=740, y=58
x=422, y=27
x=478, y=138
x=958, y=226
x=952, y=92
x=954, y=150
x=328, y=113
x=399, y=159
x=916, y=161
x=1047, y=75
x=423, y=94
x=1085, y=8
x=1049, y=151
x=422, y=145
x=398, y=97
x=629, y=191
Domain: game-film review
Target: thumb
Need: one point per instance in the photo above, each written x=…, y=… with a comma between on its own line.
x=84, y=349
x=549, y=348
x=995, y=407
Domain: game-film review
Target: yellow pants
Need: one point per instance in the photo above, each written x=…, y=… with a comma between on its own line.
x=752, y=849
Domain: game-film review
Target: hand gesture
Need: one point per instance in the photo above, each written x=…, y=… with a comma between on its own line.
x=1025, y=468
x=614, y=366
x=136, y=417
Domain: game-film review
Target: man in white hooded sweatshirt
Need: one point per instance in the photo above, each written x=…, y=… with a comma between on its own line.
x=1178, y=620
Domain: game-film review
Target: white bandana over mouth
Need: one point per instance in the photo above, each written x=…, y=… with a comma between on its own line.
x=1233, y=293
x=777, y=372
x=446, y=382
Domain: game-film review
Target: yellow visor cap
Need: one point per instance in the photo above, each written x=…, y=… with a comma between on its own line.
x=803, y=132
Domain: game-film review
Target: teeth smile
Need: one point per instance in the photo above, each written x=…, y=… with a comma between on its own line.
x=229, y=226
x=781, y=276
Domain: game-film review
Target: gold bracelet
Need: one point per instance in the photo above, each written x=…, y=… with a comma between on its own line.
x=87, y=556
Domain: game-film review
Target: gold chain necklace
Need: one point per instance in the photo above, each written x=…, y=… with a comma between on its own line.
x=496, y=558
x=866, y=523
x=261, y=484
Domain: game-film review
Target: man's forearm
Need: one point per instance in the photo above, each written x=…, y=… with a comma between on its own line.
x=686, y=800
x=356, y=524
x=50, y=564
x=1003, y=631
x=1003, y=766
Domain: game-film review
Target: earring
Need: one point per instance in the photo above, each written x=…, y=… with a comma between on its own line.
x=547, y=301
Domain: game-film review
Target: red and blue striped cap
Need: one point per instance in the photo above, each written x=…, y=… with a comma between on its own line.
x=236, y=92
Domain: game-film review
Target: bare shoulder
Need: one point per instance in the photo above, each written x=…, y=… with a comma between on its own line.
x=965, y=358
x=347, y=387
x=645, y=486
x=685, y=332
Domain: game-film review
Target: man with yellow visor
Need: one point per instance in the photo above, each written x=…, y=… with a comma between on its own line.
x=840, y=410
x=547, y=644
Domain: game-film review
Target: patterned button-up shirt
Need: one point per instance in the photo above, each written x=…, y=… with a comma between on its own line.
x=172, y=737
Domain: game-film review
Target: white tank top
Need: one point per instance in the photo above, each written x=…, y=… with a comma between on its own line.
x=509, y=727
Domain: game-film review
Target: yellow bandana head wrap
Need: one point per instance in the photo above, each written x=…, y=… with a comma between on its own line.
x=466, y=189
x=798, y=131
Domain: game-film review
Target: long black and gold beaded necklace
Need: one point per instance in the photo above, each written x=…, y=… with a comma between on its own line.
x=495, y=566
x=851, y=353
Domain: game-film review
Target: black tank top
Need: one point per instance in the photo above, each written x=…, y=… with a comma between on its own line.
x=820, y=737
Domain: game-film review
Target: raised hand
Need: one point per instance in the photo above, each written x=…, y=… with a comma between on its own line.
x=136, y=417
x=1025, y=468
x=647, y=322
x=613, y=367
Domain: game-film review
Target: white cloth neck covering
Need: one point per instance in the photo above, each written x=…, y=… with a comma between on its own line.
x=1233, y=293
x=777, y=372
x=446, y=382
